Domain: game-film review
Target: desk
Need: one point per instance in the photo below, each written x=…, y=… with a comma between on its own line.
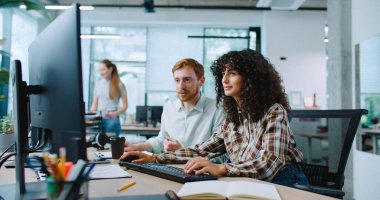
x=146, y=184
x=375, y=134
x=309, y=137
x=140, y=130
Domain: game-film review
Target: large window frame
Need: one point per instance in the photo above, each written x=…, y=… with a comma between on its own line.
x=249, y=38
x=131, y=70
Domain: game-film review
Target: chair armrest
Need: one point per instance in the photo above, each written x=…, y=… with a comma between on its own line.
x=321, y=190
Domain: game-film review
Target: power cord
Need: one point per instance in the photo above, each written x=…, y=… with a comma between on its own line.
x=1, y=156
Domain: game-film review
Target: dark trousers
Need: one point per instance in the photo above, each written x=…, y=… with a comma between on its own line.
x=291, y=175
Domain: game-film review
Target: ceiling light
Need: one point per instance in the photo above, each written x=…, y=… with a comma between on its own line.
x=86, y=7
x=23, y=6
x=99, y=36
x=57, y=7
x=61, y=7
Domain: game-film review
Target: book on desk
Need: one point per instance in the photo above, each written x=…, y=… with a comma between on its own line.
x=228, y=190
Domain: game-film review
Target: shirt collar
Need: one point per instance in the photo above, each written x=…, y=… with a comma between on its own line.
x=199, y=106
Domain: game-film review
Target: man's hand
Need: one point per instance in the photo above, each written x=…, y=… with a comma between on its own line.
x=142, y=157
x=201, y=166
x=130, y=147
x=171, y=144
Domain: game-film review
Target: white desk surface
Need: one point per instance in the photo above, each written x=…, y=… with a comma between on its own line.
x=370, y=131
x=146, y=184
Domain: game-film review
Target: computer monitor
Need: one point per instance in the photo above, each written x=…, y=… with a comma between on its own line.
x=55, y=65
x=54, y=93
x=141, y=116
x=156, y=113
x=148, y=114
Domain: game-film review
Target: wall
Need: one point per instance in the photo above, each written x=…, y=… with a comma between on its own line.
x=283, y=34
x=365, y=15
x=301, y=42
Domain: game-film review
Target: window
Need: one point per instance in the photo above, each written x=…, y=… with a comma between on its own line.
x=129, y=55
x=24, y=31
x=218, y=41
x=1, y=33
x=369, y=63
x=167, y=45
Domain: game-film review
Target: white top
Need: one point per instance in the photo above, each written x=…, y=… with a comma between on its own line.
x=102, y=91
x=189, y=128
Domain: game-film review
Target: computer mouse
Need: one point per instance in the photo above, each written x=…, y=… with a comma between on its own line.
x=130, y=158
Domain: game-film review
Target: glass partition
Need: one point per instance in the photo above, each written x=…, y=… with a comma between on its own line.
x=368, y=63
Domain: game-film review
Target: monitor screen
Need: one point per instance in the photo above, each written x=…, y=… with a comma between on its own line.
x=141, y=114
x=156, y=113
x=55, y=65
x=148, y=114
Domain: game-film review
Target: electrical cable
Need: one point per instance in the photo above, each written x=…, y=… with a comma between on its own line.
x=7, y=150
x=6, y=158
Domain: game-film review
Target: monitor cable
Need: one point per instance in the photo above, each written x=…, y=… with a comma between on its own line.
x=1, y=156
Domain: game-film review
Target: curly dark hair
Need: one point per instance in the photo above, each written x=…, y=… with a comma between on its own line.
x=262, y=85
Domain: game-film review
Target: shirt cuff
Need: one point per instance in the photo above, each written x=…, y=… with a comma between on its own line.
x=160, y=158
x=232, y=170
x=156, y=146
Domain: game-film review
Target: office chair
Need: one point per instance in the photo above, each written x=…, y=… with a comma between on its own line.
x=325, y=171
x=94, y=126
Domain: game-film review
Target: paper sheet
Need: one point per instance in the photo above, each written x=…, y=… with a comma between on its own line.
x=103, y=154
x=108, y=171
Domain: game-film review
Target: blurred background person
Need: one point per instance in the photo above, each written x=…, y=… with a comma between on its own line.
x=107, y=94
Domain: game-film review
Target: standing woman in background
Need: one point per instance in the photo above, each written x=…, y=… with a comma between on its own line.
x=108, y=91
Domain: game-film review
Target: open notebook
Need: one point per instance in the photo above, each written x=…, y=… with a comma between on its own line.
x=108, y=171
x=229, y=190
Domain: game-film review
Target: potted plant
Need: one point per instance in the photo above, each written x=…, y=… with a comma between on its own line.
x=6, y=123
x=6, y=133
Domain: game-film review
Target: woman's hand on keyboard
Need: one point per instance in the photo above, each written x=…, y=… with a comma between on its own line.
x=202, y=166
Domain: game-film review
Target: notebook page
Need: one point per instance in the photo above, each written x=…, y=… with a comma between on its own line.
x=252, y=189
x=203, y=187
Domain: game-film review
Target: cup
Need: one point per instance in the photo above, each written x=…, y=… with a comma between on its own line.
x=117, y=146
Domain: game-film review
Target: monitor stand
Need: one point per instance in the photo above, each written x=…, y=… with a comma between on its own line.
x=21, y=92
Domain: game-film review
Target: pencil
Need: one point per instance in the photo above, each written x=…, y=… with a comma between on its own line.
x=62, y=154
x=126, y=186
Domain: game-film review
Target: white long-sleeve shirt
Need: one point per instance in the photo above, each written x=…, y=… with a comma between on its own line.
x=189, y=128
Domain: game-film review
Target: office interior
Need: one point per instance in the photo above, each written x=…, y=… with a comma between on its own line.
x=319, y=47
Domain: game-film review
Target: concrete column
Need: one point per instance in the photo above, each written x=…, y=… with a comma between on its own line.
x=339, y=63
x=340, y=78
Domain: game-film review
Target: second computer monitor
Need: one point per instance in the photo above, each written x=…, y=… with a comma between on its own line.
x=148, y=114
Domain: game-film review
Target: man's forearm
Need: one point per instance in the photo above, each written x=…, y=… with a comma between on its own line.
x=144, y=147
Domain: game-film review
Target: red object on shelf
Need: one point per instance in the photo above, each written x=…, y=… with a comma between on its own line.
x=374, y=120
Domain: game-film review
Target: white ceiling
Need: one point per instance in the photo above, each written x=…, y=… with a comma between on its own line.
x=205, y=4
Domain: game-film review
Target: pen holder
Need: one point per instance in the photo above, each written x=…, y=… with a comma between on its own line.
x=72, y=190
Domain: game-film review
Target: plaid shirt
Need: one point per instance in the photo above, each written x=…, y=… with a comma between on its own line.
x=257, y=150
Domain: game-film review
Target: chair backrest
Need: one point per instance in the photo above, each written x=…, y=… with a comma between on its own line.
x=325, y=137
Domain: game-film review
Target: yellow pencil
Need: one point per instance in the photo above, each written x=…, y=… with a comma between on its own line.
x=126, y=186
x=62, y=154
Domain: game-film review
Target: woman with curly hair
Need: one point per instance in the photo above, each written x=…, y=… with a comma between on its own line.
x=256, y=134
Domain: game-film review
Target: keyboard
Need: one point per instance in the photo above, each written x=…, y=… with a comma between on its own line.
x=167, y=172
